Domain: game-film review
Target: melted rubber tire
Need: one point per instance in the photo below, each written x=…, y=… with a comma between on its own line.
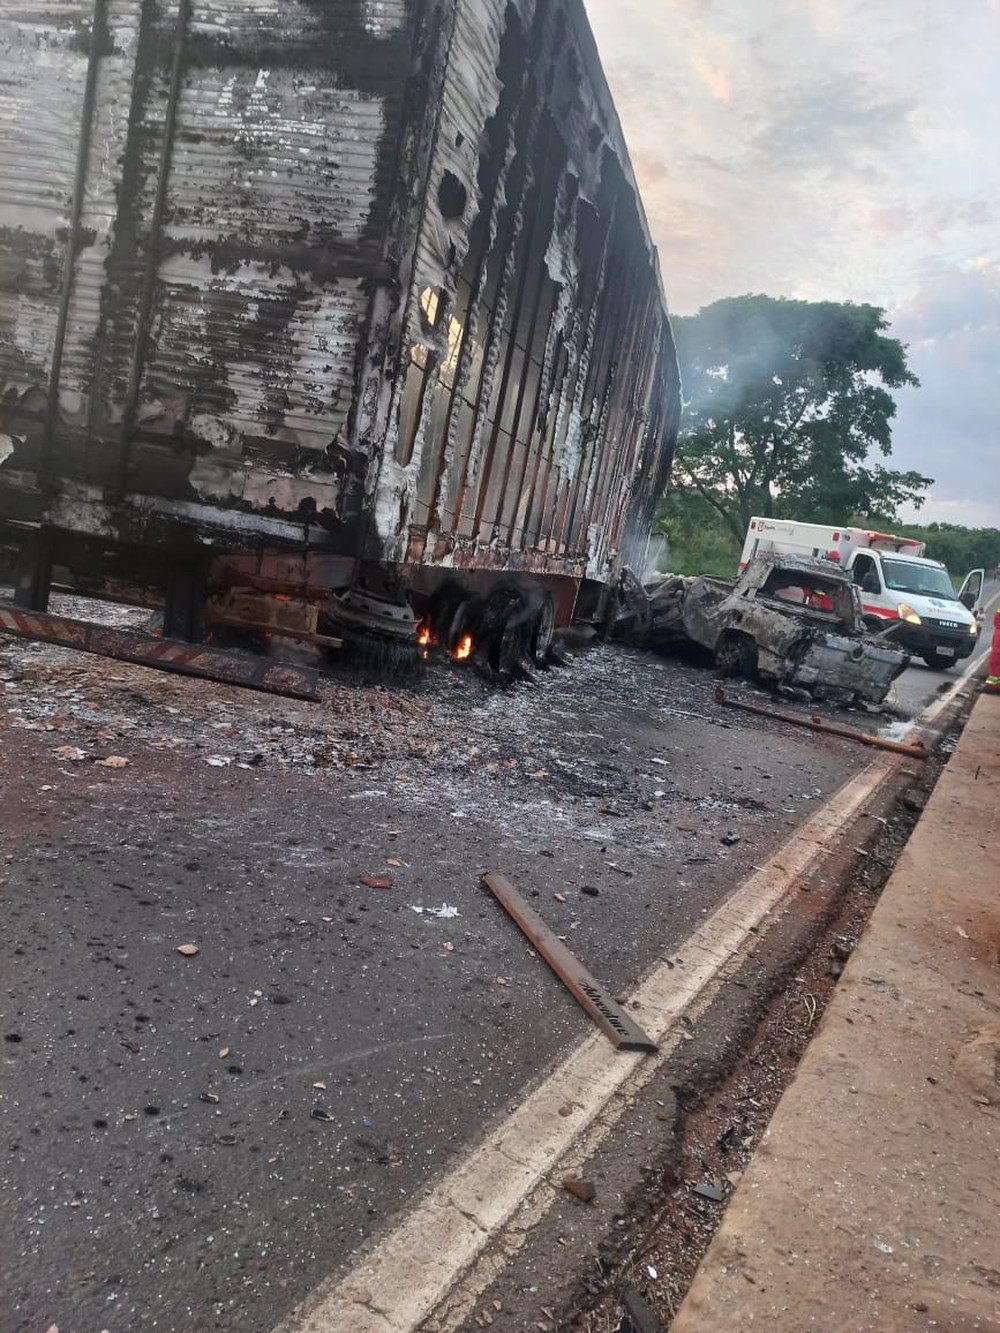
x=542, y=632
x=736, y=655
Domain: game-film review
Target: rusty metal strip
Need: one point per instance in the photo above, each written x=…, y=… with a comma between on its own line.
x=189, y=659
x=915, y=750
x=606, y=1012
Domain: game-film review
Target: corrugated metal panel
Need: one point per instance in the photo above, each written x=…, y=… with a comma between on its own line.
x=531, y=426
x=237, y=208
x=330, y=254
x=43, y=69
x=105, y=171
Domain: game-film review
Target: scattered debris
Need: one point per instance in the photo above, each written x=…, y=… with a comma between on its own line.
x=209, y=1097
x=589, y=890
x=445, y=911
x=641, y=1315
x=582, y=1189
x=321, y=1113
x=71, y=753
x=730, y=839
x=709, y=1191
x=112, y=761
x=609, y=1016
x=377, y=881
x=188, y=950
x=916, y=750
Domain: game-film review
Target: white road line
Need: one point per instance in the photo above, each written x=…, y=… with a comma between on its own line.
x=413, y=1269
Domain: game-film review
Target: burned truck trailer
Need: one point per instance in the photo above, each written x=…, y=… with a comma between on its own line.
x=314, y=312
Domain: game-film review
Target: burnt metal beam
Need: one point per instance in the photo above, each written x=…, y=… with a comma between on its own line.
x=602, y=1007
x=915, y=750
x=189, y=659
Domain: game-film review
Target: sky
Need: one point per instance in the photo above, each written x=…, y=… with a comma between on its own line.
x=843, y=150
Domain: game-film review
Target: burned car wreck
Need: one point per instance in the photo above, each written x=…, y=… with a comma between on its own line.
x=789, y=622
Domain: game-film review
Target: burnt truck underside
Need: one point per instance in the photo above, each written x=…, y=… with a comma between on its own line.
x=309, y=309
x=788, y=623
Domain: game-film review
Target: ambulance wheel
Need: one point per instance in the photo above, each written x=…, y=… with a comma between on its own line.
x=939, y=661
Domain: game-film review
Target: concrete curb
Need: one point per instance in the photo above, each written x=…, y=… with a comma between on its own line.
x=872, y=1201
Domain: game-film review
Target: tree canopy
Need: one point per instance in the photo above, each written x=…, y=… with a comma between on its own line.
x=787, y=402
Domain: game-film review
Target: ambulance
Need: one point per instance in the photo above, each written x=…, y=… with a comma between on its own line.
x=901, y=590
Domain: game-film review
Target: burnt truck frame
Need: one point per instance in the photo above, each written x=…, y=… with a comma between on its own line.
x=306, y=314
x=787, y=621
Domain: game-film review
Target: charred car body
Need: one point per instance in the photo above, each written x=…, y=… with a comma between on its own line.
x=308, y=308
x=787, y=621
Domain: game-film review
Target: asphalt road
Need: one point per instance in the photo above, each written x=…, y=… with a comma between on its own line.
x=194, y=1142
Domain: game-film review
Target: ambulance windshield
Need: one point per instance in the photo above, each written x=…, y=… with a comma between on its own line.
x=925, y=580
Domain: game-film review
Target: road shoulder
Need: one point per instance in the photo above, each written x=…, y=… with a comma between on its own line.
x=870, y=1202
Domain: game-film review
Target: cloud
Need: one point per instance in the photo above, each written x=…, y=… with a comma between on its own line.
x=838, y=121
x=715, y=79
x=833, y=150
x=950, y=426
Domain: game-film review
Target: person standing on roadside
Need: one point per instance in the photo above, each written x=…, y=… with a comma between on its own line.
x=992, y=685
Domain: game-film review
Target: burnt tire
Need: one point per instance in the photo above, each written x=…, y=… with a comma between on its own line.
x=542, y=631
x=444, y=606
x=503, y=629
x=736, y=655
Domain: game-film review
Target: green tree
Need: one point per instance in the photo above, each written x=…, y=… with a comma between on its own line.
x=787, y=402
x=691, y=538
x=961, y=549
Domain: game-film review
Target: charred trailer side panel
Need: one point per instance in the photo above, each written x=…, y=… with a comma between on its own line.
x=539, y=395
x=292, y=292
x=199, y=210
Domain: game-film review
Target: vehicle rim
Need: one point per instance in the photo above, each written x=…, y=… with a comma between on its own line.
x=544, y=630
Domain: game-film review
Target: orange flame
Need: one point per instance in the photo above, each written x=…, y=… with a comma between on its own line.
x=463, y=648
x=424, y=633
